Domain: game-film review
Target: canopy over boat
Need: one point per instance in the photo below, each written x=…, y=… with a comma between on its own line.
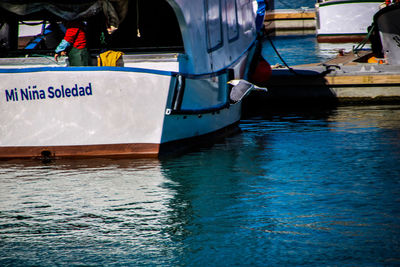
x=114, y=10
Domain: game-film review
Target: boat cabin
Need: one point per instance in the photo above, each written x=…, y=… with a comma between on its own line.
x=41, y=32
x=205, y=36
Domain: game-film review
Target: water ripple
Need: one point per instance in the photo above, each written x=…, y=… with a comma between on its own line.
x=291, y=189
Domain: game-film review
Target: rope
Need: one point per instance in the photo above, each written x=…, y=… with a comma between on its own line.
x=279, y=55
x=363, y=42
x=329, y=68
x=137, y=19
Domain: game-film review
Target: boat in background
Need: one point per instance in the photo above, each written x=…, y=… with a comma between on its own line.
x=178, y=57
x=358, y=76
x=344, y=20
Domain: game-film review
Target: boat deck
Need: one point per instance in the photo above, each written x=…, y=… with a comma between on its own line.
x=160, y=61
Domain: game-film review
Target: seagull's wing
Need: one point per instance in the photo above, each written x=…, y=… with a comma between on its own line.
x=240, y=90
x=257, y=88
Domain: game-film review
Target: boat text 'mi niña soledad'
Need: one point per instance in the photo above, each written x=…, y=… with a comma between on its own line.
x=31, y=93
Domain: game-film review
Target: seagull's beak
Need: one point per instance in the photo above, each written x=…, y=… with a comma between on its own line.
x=233, y=82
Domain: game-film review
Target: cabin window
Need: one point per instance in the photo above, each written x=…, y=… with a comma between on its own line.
x=232, y=20
x=244, y=2
x=246, y=13
x=213, y=24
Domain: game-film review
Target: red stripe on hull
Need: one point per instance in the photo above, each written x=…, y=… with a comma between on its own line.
x=111, y=150
x=340, y=38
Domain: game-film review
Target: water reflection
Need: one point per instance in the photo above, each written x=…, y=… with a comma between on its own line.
x=309, y=187
x=78, y=211
x=294, y=188
x=370, y=116
x=214, y=184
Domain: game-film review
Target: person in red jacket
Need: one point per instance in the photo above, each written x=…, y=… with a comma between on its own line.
x=74, y=45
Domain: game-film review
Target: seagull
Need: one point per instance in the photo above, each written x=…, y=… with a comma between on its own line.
x=242, y=88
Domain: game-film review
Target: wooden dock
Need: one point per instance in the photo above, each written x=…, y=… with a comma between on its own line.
x=339, y=80
x=290, y=21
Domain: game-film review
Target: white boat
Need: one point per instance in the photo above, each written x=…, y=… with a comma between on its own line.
x=385, y=38
x=344, y=20
x=172, y=87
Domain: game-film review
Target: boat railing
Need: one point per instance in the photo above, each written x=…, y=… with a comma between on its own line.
x=45, y=61
x=157, y=57
x=48, y=61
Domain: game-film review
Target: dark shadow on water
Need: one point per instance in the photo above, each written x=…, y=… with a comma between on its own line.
x=294, y=89
x=256, y=106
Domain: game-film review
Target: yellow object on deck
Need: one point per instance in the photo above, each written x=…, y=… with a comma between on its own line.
x=375, y=60
x=109, y=58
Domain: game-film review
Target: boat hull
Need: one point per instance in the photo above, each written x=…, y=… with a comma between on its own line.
x=343, y=20
x=94, y=112
x=171, y=85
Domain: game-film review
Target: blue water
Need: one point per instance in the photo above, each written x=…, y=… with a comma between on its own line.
x=290, y=4
x=301, y=49
x=302, y=187
x=314, y=188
